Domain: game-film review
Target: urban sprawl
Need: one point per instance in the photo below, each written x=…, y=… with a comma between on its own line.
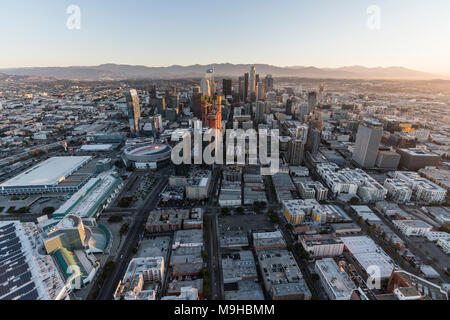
x=93, y=207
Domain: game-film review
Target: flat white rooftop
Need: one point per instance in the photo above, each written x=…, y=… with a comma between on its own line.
x=366, y=213
x=96, y=147
x=84, y=202
x=267, y=235
x=337, y=281
x=49, y=172
x=369, y=255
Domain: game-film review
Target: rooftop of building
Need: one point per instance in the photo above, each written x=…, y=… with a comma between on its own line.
x=191, y=237
x=26, y=275
x=280, y=269
x=337, y=280
x=320, y=239
x=47, y=173
x=366, y=213
x=369, y=254
x=244, y=290
x=413, y=223
x=238, y=265
x=418, y=152
x=86, y=201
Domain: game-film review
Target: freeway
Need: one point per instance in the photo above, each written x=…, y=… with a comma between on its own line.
x=125, y=253
x=14, y=158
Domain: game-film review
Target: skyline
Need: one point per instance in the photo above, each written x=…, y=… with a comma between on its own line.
x=287, y=33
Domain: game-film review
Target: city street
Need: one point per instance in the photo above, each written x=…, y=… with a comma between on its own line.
x=124, y=255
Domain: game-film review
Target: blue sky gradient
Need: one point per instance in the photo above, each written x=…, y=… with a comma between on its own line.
x=322, y=33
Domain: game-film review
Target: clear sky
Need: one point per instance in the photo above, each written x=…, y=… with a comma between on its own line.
x=322, y=33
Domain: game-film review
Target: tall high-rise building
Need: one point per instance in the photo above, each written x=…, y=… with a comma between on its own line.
x=252, y=81
x=315, y=141
x=161, y=105
x=227, y=87
x=212, y=112
x=312, y=100
x=174, y=101
x=210, y=76
x=260, y=112
x=367, y=142
x=289, y=107
x=246, y=80
x=241, y=89
x=197, y=105
x=260, y=91
x=205, y=87
x=268, y=83
x=134, y=110
x=157, y=118
x=304, y=111
x=208, y=84
x=296, y=152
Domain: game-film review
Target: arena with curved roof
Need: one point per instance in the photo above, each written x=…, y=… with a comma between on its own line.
x=148, y=156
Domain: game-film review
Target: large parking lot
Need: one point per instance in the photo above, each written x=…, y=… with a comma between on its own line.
x=245, y=222
x=433, y=253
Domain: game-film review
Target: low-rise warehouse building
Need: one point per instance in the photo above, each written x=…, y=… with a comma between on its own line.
x=337, y=283
x=239, y=266
x=322, y=245
x=282, y=278
x=268, y=240
x=55, y=174
x=369, y=256
x=92, y=198
x=412, y=227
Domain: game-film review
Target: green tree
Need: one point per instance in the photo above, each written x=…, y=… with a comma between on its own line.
x=115, y=219
x=48, y=210
x=125, y=202
x=360, y=220
x=124, y=228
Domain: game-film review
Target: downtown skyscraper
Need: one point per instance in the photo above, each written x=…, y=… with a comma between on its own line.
x=134, y=111
x=252, y=81
x=367, y=142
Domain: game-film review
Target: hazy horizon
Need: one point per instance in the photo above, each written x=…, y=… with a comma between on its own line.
x=212, y=63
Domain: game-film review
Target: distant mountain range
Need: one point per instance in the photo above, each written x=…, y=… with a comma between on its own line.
x=24, y=78
x=121, y=72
